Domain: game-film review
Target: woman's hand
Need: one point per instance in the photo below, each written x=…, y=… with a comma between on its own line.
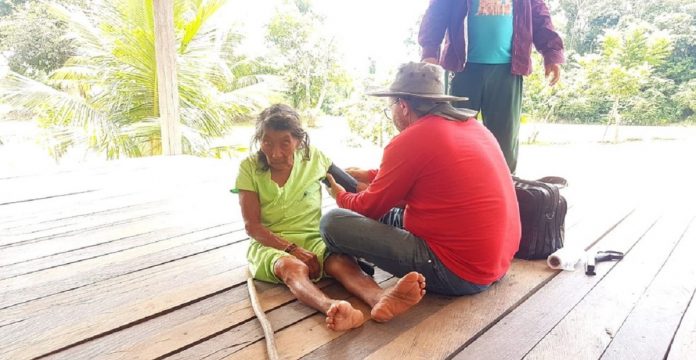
x=310, y=259
x=251, y=212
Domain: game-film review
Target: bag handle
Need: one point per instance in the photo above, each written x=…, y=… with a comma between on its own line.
x=554, y=180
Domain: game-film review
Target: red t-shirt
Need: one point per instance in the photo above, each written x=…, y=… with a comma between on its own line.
x=458, y=191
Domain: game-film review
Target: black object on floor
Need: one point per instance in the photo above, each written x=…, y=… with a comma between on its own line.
x=599, y=257
x=368, y=268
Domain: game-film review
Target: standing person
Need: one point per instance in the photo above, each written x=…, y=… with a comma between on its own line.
x=460, y=224
x=280, y=198
x=488, y=45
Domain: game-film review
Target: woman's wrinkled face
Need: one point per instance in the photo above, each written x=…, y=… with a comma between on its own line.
x=279, y=147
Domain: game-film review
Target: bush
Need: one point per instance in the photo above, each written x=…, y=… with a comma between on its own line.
x=34, y=41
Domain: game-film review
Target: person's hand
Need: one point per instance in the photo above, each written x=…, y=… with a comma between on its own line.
x=310, y=259
x=555, y=71
x=361, y=186
x=359, y=174
x=430, y=60
x=334, y=187
x=362, y=176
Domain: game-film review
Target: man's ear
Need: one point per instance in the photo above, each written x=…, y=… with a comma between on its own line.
x=405, y=109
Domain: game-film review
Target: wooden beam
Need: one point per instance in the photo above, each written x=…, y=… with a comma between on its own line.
x=165, y=55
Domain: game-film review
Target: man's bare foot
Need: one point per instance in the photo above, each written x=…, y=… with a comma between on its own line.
x=343, y=316
x=408, y=291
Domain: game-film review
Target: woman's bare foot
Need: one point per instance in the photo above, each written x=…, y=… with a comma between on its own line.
x=408, y=291
x=343, y=316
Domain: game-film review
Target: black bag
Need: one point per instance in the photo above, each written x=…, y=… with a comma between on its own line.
x=542, y=213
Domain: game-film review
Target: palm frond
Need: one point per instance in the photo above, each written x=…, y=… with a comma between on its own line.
x=202, y=12
x=105, y=98
x=20, y=91
x=83, y=31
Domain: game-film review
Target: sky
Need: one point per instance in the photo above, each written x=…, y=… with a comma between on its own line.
x=363, y=29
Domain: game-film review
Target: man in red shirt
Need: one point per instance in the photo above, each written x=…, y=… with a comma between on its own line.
x=460, y=224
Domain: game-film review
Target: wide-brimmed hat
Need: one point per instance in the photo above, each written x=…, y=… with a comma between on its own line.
x=419, y=80
x=424, y=81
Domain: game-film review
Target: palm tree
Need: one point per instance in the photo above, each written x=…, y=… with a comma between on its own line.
x=106, y=96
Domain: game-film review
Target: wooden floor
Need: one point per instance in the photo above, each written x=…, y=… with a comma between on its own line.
x=145, y=259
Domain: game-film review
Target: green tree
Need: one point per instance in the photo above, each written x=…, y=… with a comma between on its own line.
x=686, y=98
x=620, y=84
x=106, y=96
x=585, y=20
x=8, y=6
x=307, y=59
x=34, y=40
x=625, y=69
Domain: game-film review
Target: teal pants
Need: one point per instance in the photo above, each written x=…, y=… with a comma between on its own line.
x=497, y=94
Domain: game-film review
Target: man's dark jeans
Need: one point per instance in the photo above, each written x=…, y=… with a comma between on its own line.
x=392, y=249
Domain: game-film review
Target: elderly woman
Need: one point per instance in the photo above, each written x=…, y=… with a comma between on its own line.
x=280, y=197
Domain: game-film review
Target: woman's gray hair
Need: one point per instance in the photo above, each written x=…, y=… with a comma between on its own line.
x=279, y=117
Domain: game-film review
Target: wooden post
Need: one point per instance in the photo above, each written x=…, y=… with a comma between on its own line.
x=168, y=92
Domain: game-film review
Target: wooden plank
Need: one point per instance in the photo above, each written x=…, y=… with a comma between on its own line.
x=445, y=327
x=107, y=228
x=444, y=331
x=113, y=243
x=49, y=185
x=94, y=234
x=182, y=270
x=648, y=330
x=127, y=287
x=514, y=335
x=116, y=239
x=33, y=225
x=170, y=333
x=588, y=328
x=293, y=341
x=295, y=344
x=251, y=334
x=72, y=276
x=290, y=344
x=684, y=343
x=122, y=164
x=43, y=217
x=359, y=342
x=39, y=327
x=89, y=232
x=30, y=217
x=27, y=217
x=224, y=312
x=125, y=173
x=244, y=334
